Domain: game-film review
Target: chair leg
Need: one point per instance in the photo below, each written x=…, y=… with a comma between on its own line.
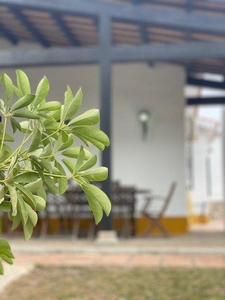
x=125, y=227
x=91, y=231
x=75, y=228
x=155, y=223
x=44, y=228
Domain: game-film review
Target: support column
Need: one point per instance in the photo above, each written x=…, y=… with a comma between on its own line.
x=223, y=162
x=105, y=104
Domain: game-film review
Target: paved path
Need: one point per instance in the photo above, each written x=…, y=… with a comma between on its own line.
x=122, y=259
x=194, y=251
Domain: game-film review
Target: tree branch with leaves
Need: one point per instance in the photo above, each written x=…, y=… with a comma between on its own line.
x=46, y=158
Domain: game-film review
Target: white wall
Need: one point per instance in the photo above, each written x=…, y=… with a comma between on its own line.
x=217, y=170
x=206, y=147
x=158, y=160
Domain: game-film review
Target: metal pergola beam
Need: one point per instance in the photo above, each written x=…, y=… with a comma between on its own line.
x=73, y=41
x=8, y=35
x=36, y=33
x=169, y=52
x=49, y=57
x=162, y=17
x=206, y=83
x=87, y=55
x=205, y=101
x=105, y=103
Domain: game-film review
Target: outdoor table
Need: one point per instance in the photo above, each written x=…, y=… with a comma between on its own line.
x=123, y=199
x=123, y=202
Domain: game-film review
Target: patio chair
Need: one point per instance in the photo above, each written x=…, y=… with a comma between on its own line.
x=69, y=209
x=155, y=217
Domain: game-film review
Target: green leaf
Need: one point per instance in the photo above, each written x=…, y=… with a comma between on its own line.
x=8, y=87
x=98, y=201
x=7, y=148
x=42, y=193
x=88, y=164
x=64, y=137
x=37, y=167
x=18, y=92
x=47, y=117
x=5, y=248
x=28, y=196
x=5, y=254
x=42, y=90
x=80, y=159
x=55, y=114
x=94, y=135
x=1, y=267
x=13, y=199
x=36, y=139
x=4, y=155
x=36, y=153
x=50, y=106
x=5, y=206
x=23, y=82
x=73, y=152
x=26, y=177
x=23, y=102
x=25, y=126
x=98, y=174
x=2, y=194
x=28, y=229
x=7, y=137
x=34, y=186
x=47, y=151
x=15, y=125
x=51, y=127
x=7, y=259
x=22, y=209
x=32, y=215
x=50, y=184
x=40, y=203
x=62, y=181
x=16, y=220
x=46, y=165
x=90, y=117
x=25, y=114
x=71, y=105
x=59, y=145
x=2, y=107
x=69, y=164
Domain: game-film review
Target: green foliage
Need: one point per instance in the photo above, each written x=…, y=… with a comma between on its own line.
x=46, y=155
x=5, y=254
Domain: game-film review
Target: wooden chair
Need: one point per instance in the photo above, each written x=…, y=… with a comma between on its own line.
x=155, y=217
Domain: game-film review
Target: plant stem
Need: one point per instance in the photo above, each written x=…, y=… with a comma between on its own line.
x=4, y=132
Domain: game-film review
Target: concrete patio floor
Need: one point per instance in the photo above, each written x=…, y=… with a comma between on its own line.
x=194, y=242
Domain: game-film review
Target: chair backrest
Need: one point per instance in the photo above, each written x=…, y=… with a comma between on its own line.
x=168, y=197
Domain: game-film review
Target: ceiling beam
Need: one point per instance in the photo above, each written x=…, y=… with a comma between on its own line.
x=81, y=55
x=168, y=52
x=67, y=32
x=163, y=17
x=206, y=83
x=205, y=101
x=49, y=56
x=8, y=35
x=30, y=28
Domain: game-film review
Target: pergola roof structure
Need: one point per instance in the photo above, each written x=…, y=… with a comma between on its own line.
x=186, y=32
x=190, y=33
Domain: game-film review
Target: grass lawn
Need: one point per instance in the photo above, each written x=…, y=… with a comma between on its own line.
x=117, y=283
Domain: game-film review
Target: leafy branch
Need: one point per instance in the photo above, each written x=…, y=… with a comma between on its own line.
x=46, y=158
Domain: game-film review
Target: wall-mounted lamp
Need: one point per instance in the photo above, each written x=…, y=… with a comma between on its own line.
x=144, y=118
